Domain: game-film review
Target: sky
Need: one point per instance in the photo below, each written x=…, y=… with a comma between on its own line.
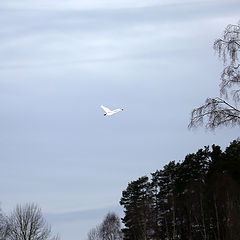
x=60, y=60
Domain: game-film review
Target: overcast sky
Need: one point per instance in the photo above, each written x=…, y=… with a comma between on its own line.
x=60, y=60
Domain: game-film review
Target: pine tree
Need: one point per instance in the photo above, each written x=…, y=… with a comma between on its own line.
x=196, y=199
x=137, y=203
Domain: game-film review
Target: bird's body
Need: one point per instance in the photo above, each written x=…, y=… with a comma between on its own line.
x=109, y=112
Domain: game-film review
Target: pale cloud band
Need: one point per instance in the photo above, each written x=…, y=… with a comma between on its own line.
x=89, y=4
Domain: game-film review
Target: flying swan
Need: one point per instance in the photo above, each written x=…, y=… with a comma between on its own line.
x=109, y=112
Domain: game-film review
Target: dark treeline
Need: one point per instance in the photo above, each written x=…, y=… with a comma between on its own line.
x=198, y=198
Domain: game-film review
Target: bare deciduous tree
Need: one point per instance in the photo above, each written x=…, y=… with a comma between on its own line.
x=223, y=110
x=27, y=223
x=4, y=226
x=94, y=234
x=110, y=228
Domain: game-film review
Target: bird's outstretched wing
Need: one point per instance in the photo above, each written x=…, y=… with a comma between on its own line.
x=117, y=110
x=105, y=109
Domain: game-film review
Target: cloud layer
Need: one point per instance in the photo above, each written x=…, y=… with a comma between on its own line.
x=60, y=61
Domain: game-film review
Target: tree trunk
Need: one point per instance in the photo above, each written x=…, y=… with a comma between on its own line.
x=217, y=219
x=203, y=218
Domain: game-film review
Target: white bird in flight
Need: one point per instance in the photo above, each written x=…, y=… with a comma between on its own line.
x=109, y=112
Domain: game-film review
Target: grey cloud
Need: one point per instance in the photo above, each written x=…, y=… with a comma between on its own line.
x=100, y=35
x=83, y=215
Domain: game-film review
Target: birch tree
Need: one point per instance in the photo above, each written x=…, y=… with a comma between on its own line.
x=223, y=110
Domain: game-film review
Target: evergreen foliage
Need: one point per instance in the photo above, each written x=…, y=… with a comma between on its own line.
x=198, y=198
